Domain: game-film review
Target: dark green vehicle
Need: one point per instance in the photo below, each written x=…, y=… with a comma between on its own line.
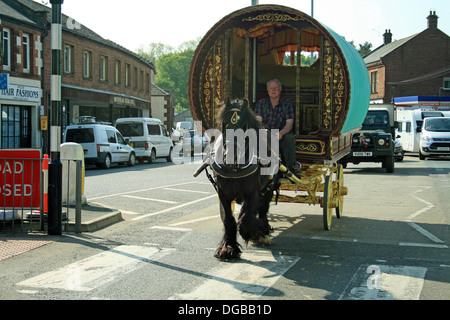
x=374, y=142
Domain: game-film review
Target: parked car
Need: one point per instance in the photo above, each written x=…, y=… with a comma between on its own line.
x=102, y=144
x=399, y=153
x=194, y=141
x=148, y=136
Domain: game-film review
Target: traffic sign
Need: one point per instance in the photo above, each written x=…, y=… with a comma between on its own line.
x=4, y=80
x=20, y=179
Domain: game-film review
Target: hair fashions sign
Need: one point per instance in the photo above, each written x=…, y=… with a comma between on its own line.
x=21, y=93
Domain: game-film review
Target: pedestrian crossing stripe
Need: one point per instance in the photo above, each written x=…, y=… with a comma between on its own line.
x=383, y=282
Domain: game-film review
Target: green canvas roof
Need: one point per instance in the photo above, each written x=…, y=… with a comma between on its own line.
x=359, y=83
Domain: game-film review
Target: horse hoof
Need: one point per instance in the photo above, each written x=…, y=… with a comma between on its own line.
x=227, y=254
x=265, y=241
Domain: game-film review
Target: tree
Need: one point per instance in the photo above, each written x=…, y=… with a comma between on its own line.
x=172, y=68
x=172, y=73
x=154, y=50
x=365, y=49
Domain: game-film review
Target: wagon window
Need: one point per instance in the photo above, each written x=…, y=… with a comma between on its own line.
x=307, y=58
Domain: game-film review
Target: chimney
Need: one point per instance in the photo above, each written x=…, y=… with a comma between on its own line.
x=432, y=20
x=387, y=36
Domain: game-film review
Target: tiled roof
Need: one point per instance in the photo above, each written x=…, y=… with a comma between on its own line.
x=83, y=31
x=385, y=49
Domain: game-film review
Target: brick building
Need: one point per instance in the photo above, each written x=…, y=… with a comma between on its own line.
x=22, y=31
x=98, y=77
x=418, y=65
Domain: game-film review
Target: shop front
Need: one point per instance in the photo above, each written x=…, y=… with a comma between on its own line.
x=20, y=110
x=105, y=106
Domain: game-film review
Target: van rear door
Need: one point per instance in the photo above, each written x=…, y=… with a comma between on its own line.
x=85, y=137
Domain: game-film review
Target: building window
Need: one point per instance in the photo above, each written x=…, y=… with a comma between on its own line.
x=135, y=80
x=374, y=82
x=446, y=84
x=127, y=74
x=147, y=83
x=26, y=52
x=68, y=59
x=141, y=81
x=6, y=49
x=103, y=68
x=87, y=64
x=16, y=127
x=118, y=73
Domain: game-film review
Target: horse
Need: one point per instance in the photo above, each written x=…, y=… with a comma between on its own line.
x=241, y=181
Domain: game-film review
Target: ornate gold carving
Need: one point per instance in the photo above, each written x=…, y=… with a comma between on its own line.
x=338, y=90
x=310, y=147
x=273, y=17
x=212, y=83
x=328, y=76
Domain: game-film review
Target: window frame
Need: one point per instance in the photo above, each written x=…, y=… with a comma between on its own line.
x=6, y=44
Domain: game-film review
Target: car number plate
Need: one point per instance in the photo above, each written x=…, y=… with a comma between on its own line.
x=362, y=154
x=443, y=148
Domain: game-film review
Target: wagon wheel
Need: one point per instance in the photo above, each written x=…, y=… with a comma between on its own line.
x=327, y=202
x=340, y=191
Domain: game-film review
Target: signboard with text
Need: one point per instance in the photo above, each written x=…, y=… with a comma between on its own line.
x=20, y=179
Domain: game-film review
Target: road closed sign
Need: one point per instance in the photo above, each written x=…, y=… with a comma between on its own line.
x=20, y=179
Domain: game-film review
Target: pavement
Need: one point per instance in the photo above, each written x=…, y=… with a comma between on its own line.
x=16, y=238
x=93, y=217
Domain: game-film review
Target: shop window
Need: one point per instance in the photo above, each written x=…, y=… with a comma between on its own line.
x=16, y=127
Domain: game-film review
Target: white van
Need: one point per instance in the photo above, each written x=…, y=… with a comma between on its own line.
x=148, y=136
x=183, y=127
x=409, y=125
x=434, y=137
x=102, y=144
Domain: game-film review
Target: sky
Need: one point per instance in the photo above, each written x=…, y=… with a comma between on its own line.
x=137, y=23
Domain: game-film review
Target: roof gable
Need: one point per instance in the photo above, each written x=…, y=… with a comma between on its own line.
x=385, y=49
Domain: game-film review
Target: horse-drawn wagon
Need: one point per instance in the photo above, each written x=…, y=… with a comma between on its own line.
x=251, y=46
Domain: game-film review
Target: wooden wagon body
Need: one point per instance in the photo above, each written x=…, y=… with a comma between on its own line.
x=245, y=49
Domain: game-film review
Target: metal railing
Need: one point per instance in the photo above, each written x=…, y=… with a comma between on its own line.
x=22, y=203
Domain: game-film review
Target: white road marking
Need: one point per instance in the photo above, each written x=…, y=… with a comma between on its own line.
x=248, y=278
x=194, y=220
x=173, y=208
x=186, y=190
x=171, y=228
x=429, y=205
x=382, y=282
x=142, y=190
x=150, y=199
x=424, y=245
x=98, y=270
x=427, y=234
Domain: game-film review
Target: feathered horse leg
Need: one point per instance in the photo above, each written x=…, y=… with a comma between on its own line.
x=228, y=248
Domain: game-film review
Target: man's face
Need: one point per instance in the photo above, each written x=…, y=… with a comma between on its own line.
x=274, y=90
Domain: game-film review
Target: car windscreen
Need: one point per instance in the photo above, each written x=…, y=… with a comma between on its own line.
x=80, y=135
x=131, y=129
x=437, y=124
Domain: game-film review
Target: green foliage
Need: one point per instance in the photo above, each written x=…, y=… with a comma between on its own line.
x=172, y=68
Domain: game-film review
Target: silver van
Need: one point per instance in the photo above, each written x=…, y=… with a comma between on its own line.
x=148, y=136
x=102, y=144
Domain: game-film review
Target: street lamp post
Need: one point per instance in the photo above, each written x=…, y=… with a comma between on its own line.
x=55, y=165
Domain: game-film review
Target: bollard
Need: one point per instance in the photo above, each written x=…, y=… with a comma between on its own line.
x=45, y=184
